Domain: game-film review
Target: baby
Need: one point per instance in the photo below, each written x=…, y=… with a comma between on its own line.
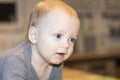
x=53, y=30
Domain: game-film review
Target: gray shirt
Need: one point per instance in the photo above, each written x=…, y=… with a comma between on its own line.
x=16, y=65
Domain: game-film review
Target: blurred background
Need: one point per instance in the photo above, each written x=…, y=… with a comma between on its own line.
x=97, y=50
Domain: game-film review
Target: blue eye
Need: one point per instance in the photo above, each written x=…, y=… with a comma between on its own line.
x=72, y=39
x=57, y=35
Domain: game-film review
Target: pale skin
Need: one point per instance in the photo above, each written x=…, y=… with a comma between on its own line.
x=53, y=40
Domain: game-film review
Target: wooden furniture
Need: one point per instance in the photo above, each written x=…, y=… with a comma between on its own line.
x=103, y=64
x=74, y=74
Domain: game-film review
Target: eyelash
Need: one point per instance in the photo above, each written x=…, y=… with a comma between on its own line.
x=58, y=36
x=72, y=39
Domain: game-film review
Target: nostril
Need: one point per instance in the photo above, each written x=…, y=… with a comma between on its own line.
x=62, y=50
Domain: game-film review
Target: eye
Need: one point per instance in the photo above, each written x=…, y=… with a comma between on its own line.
x=72, y=39
x=58, y=36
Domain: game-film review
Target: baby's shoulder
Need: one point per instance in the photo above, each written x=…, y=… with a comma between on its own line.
x=15, y=55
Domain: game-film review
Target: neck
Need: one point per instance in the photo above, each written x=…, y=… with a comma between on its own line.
x=41, y=67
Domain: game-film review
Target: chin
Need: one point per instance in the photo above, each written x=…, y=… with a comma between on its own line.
x=57, y=63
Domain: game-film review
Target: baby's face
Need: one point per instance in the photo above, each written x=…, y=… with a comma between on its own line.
x=57, y=32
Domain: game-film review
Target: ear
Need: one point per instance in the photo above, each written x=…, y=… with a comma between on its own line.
x=32, y=34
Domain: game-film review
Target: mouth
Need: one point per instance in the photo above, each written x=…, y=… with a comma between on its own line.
x=61, y=55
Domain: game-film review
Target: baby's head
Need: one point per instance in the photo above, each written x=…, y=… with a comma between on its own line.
x=53, y=29
x=46, y=6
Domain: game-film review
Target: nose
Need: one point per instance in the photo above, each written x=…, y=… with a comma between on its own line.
x=65, y=44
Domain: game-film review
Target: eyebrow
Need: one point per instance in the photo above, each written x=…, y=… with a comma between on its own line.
x=56, y=31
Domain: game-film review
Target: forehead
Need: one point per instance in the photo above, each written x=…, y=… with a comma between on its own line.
x=58, y=21
x=56, y=17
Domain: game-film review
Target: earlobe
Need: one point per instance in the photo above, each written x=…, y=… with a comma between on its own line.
x=32, y=34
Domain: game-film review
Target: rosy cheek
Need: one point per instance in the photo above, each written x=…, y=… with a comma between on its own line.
x=70, y=51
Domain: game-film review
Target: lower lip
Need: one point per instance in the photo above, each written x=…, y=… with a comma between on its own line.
x=60, y=55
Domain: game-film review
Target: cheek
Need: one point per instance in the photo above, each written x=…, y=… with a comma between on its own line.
x=50, y=44
x=69, y=53
x=70, y=50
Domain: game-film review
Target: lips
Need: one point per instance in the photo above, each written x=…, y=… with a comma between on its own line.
x=61, y=55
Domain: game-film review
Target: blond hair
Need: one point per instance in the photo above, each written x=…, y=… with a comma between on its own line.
x=44, y=7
